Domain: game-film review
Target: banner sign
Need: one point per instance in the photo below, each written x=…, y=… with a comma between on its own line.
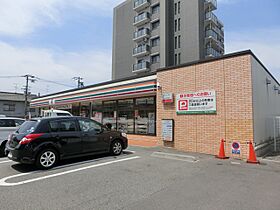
x=202, y=102
x=167, y=98
x=167, y=130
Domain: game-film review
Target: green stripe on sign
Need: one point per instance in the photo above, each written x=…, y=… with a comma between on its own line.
x=197, y=112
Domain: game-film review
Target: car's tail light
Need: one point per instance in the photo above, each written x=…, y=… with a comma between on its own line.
x=30, y=137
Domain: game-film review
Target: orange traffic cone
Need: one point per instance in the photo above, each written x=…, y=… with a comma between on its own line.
x=252, y=155
x=222, y=154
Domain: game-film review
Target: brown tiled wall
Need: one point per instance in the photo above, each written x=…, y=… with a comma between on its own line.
x=231, y=79
x=141, y=140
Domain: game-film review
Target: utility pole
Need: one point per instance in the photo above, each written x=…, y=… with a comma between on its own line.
x=29, y=78
x=80, y=81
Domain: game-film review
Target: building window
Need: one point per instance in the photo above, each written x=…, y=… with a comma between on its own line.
x=9, y=107
x=179, y=7
x=179, y=41
x=155, y=9
x=175, y=58
x=155, y=59
x=175, y=25
x=175, y=42
x=110, y=113
x=175, y=8
x=155, y=42
x=125, y=116
x=155, y=25
x=179, y=58
x=179, y=24
x=145, y=117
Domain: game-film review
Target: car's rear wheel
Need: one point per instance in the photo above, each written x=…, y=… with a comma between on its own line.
x=116, y=147
x=2, y=149
x=47, y=159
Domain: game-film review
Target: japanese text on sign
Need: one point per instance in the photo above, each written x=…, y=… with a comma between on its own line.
x=167, y=130
x=202, y=102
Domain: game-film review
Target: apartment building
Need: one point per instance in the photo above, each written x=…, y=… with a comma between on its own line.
x=152, y=34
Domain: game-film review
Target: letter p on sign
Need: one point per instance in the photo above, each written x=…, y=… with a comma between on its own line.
x=183, y=104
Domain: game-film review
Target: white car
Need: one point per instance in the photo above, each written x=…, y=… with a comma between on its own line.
x=55, y=113
x=7, y=125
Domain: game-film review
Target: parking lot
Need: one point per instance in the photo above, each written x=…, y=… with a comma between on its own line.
x=142, y=178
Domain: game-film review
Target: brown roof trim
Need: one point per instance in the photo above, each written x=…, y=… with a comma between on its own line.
x=208, y=60
x=99, y=84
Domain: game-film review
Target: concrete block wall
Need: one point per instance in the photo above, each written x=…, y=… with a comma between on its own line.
x=232, y=80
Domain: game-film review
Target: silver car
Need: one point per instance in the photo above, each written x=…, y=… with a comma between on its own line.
x=7, y=125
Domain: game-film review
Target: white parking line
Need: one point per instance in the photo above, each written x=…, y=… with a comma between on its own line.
x=5, y=161
x=129, y=151
x=4, y=183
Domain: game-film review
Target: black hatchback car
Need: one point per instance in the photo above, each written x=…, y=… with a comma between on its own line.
x=45, y=141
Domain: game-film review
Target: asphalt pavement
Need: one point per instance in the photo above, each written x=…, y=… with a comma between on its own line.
x=142, y=178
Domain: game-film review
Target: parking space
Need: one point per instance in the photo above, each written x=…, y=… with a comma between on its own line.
x=13, y=174
x=141, y=178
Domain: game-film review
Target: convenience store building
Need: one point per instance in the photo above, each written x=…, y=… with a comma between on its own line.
x=190, y=107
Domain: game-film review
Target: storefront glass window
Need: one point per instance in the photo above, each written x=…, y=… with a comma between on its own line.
x=110, y=113
x=145, y=116
x=144, y=122
x=97, y=111
x=76, y=109
x=126, y=115
x=85, y=109
x=133, y=116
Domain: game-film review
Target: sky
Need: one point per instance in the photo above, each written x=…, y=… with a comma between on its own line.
x=56, y=40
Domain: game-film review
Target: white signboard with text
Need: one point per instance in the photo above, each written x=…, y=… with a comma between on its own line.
x=202, y=102
x=167, y=130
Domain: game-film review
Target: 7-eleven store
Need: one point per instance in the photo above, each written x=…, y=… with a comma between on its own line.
x=129, y=105
x=190, y=107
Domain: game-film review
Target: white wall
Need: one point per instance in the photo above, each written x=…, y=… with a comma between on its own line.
x=266, y=103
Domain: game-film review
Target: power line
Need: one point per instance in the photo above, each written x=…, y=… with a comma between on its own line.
x=7, y=77
x=53, y=82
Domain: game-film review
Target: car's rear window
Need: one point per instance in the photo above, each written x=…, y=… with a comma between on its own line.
x=62, y=114
x=7, y=123
x=28, y=127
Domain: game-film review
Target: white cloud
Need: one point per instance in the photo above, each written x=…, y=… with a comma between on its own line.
x=24, y=16
x=93, y=66
x=265, y=43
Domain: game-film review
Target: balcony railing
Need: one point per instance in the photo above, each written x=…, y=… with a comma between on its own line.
x=210, y=16
x=219, y=31
x=140, y=5
x=211, y=52
x=211, y=33
x=141, y=34
x=141, y=19
x=143, y=66
x=211, y=4
x=141, y=50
